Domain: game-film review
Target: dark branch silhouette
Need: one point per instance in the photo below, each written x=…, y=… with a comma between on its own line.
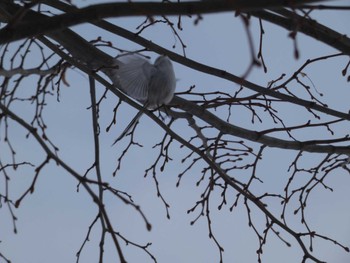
x=219, y=147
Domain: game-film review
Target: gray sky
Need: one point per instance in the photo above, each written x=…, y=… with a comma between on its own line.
x=53, y=221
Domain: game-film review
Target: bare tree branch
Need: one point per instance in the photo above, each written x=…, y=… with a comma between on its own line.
x=79, y=178
x=294, y=22
x=228, y=156
x=97, y=12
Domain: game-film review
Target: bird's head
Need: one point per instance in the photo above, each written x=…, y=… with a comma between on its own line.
x=162, y=61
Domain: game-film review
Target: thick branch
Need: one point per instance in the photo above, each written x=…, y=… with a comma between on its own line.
x=292, y=21
x=98, y=12
x=227, y=128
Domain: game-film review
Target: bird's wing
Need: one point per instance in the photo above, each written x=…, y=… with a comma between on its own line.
x=134, y=74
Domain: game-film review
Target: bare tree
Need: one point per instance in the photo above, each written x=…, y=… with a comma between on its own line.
x=38, y=50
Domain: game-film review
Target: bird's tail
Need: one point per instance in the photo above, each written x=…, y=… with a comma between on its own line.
x=133, y=122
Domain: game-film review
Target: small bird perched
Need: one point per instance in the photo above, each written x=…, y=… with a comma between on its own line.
x=152, y=85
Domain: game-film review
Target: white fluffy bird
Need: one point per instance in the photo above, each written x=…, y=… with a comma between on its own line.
x=152, y=85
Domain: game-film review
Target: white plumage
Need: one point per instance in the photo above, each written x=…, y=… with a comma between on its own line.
x=152, y=85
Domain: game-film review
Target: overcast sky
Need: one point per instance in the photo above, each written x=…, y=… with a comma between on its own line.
x=53, y=221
